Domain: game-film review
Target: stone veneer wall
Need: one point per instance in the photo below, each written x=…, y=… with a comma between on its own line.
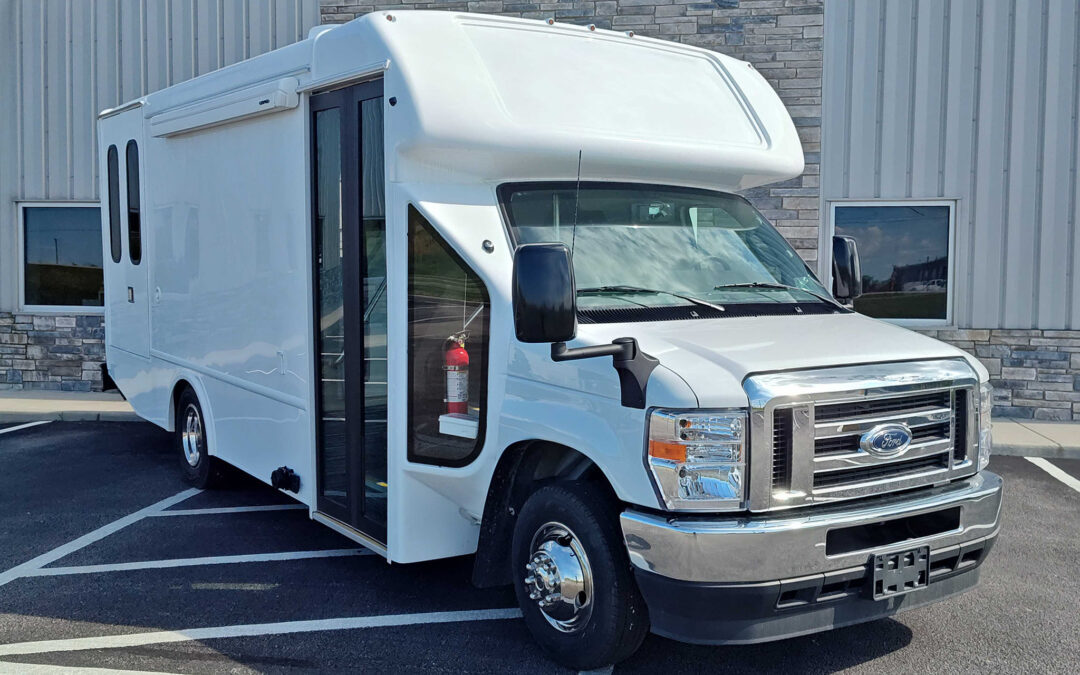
x=782, y=38
x=1035, y=373
x=52, y=352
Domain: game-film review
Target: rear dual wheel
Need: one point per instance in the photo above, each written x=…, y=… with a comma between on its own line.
x=573, y=578
x=200, y=469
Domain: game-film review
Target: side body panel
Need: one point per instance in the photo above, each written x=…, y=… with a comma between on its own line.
x=227, y=264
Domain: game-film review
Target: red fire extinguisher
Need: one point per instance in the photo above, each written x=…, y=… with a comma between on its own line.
x=457, y=375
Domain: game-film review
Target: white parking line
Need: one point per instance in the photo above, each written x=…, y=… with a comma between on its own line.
x=1055, y=472
x=89, y=538
x=42, y=669
x=23, y=426
x=194, y=562
x=251, y=630
x=227, y=509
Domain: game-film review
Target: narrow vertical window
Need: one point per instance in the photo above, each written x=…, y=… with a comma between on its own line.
x=447, y=347
x=134, y=224
x=114, y=203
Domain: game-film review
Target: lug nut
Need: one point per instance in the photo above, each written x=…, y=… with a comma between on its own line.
x=530, y=580
x=530, y=566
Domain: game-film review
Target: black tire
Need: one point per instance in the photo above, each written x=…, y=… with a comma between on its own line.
x=199, y=468
x=618, y=620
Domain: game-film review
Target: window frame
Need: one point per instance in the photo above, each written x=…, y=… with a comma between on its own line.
x=950, y=295
x=20, y=245
x=484, y=361
x=116, y=244
x=136, y=202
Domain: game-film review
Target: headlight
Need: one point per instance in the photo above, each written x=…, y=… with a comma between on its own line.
x=986, y=395
x=698, y=459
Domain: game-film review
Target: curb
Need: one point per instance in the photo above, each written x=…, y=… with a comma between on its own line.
x=70, y=416
x=1045, y=451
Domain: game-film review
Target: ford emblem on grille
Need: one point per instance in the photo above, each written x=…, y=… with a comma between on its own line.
x=886, y=440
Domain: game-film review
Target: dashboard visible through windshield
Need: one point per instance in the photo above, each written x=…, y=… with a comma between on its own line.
x=639, y=246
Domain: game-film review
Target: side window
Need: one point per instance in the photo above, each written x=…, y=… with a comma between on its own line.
x=448, y=347
x=134, y=224
x=114, y=203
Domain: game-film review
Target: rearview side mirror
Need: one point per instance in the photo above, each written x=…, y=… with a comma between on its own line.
x=545, y=306
x=847, y=272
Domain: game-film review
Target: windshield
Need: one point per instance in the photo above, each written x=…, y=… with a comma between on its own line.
x=653, y=246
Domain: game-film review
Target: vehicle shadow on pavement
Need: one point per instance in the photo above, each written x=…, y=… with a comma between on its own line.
x=822, y=652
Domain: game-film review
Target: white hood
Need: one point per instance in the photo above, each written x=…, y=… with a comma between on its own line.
x=713, y=356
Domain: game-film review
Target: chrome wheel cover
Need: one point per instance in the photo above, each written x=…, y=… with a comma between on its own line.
x=559, y=579
x=191, y=435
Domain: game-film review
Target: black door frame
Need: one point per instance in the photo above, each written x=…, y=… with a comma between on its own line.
x=354, y=271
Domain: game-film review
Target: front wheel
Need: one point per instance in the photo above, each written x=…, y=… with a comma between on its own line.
x=573, y=579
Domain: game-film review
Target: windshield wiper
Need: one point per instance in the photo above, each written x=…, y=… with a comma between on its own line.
x=782, y=287
x=637, y=289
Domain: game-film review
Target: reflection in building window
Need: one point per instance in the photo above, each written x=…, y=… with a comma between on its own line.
x=448, y=342
x=904, y=253
x=62, y=256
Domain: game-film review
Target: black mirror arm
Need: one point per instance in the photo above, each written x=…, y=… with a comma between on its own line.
x=633, y=365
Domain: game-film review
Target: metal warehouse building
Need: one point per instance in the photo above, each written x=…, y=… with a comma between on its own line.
x=943, y=135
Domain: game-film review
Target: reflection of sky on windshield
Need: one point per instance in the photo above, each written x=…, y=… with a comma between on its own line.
x=678, y=241
x=662, y=257
x=889, y=236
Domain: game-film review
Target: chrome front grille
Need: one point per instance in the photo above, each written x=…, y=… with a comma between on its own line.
x=807, y=427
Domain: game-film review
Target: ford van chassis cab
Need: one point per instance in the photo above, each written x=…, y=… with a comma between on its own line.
x=471, y=285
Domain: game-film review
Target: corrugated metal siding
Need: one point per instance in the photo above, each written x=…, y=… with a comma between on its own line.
x=63, y=61
x=975, y=101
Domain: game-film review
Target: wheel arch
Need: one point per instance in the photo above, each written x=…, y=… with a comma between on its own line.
x=522, y=468
x=185, y=381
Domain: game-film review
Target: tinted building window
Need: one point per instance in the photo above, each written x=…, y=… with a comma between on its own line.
x=62, y=256
x=904, y=253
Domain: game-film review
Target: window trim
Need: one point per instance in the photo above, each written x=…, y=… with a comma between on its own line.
x=20, y=245
x=950, y=296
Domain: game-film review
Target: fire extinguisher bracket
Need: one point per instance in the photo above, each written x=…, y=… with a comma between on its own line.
x=457, y=424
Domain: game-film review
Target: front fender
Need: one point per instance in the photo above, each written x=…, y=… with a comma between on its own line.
x=611, y=435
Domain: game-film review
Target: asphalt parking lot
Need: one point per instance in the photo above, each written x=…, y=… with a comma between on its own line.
x=107, y=560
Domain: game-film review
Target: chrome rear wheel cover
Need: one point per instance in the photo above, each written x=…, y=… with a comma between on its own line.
x=191, y=435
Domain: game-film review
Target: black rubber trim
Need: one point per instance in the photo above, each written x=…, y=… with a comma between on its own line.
x=715, y=613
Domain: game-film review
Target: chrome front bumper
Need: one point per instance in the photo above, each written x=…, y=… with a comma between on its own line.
x=767, y=548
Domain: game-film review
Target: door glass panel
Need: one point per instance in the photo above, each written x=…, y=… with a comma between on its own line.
x=333, y=464
x=373, y=214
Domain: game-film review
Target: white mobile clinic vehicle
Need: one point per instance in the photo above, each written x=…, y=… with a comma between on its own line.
x=466, y=284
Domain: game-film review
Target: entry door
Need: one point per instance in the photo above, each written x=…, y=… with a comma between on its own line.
x=127, y=297
x=349, y=238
